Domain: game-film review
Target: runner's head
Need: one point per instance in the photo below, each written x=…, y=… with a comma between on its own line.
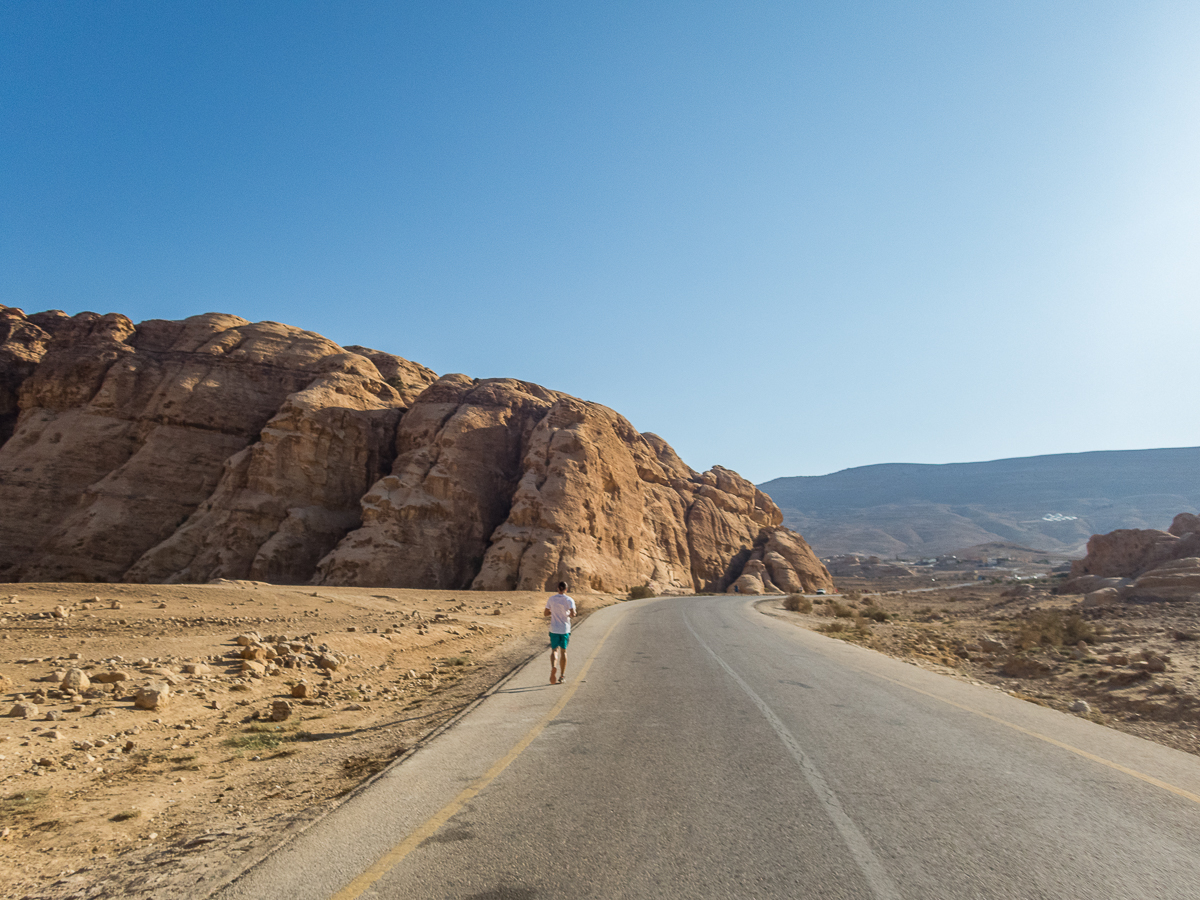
x=562, y=587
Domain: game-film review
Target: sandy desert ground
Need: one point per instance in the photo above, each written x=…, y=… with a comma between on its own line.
x=99, y=798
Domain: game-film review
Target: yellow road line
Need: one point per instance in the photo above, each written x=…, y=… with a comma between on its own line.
x=1149, y=779
x=1133, y=773
x=392, y=858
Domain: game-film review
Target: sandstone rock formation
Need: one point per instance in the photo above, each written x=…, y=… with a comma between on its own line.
x=125, y=432
x=217, y=448
x=503, y=485
x=1141, y=564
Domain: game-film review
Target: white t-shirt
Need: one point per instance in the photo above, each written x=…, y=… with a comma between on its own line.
x=560, y=606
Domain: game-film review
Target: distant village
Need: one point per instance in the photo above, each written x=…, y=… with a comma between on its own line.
x=1028, y=564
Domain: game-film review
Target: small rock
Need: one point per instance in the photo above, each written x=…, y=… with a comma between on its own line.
x=152, y=696
x=109, y=677
x=1024, y=667
x=196, y=669
x=61, y=612
x=129, y=747
x=280, y=710
x=75, y=681
x=1081, y=706
x=23, y=711
x=301, y=690
x=114, y=604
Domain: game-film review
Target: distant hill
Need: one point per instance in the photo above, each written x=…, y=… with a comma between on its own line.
x=1053, y=503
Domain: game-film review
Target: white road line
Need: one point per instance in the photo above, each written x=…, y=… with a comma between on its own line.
x=882, y=887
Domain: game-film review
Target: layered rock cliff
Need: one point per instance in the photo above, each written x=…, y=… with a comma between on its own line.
x=214, y=447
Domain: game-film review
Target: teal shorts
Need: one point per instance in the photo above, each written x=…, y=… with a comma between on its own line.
x=559, y=640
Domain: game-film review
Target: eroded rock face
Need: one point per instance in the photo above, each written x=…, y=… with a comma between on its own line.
x=1125, y=553
x=503, y=485
x=125, y=431
x=218, y=448
x=1143, y=565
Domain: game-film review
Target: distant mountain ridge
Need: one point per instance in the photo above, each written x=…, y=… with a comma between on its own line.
x=1053, y=503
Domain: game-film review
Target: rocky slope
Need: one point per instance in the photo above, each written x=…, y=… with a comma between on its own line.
x=217, y=448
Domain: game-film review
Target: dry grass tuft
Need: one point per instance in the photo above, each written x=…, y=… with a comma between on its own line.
x=798, y=603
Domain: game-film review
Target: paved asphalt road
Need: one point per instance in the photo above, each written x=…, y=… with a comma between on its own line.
x=709, y=750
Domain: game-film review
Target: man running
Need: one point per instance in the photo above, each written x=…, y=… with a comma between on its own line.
x=561, y=609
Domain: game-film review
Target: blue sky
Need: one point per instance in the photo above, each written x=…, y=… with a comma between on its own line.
x=788, y=237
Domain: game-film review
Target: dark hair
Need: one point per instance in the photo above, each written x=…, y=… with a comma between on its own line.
x=562, y=586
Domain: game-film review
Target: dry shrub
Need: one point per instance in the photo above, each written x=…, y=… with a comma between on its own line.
x=1053, y=628
x=856, y=629
x=641, y=592
x=837, y=610
x=798, y=603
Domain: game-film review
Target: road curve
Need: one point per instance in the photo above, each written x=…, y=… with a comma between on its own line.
x=702, y=749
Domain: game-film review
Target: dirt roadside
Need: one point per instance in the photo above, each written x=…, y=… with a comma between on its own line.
x=99, y=798
x=1134, y=667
